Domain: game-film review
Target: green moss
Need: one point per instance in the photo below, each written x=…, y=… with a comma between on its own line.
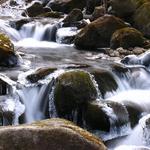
x=142, y=19
x=126, y=38
x=72, y=91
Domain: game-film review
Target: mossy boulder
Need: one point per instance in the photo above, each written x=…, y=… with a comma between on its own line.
x=8, y=57
x=98, y=33
x=127, y=37
x=52, y=14
x=142, y=19
x=66, y=6
x=123, y=8
x=105, y=80
x=72, y=92
x=52, y=134
x=39, y=74
x=105, y=115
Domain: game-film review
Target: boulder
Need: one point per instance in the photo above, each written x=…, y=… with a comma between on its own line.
x=105, y=115
x=52, y=14
x=52, y=134
x=8, y=58
x=127, y=37
x=98, y=33
x=39, y=74
x=36, y=8
x=98, y=12
x=122, y=8
x=66, y=5
x=105, y=80
x=142, y=19
x=72, y=92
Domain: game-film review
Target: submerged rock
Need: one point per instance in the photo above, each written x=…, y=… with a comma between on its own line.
x=127, y=37
x=98, y=33
x=105, y=80
x=8, y=58
x=72, y=92
x=52, y=134
x=39, y=74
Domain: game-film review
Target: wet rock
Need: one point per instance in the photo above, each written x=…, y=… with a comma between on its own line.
x=73, y=16
x=8, y=58
x=134, y=111
x=105, y=80
x=19, y=23
x=119, y=68
x=66, y=35
x=96, y=118
x=97, y=34
x=122, y=8
x=126, y=38
x=48, y=134
x=66, y=5
x=52, y=14
x=72, y=92
x=35, y=9
x=142, y=19
x=105, y=115
x=98, y=12
x=39, y=74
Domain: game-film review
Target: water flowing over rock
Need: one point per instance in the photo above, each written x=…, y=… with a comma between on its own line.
x=98, y=33
x=72, y=92
x=48, y=134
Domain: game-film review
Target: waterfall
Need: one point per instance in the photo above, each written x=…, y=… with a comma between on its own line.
x=38, y=31
x=36, y=101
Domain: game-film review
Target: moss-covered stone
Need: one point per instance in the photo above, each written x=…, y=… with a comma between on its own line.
x=52, y=134
x=105, y=80
x=8, y=57
x=142, y=19
x=98, y=33
x=72, y=92
x=122, y=8
x=52, y=14
x=127, y=37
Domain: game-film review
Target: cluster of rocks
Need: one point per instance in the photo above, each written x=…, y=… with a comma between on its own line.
x=108, y=25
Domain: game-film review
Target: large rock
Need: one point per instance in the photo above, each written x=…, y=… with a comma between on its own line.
x=36, y=8
x=105, y=115
x=142, y=19
x=105, y=80
x=122, y=8
x=98, y=33
x=72, y=92
x=127, y=37
x=54, y=134
x=8, y=57
x=66, y=5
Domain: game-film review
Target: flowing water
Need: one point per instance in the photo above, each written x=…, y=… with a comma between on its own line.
x=34, y=101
